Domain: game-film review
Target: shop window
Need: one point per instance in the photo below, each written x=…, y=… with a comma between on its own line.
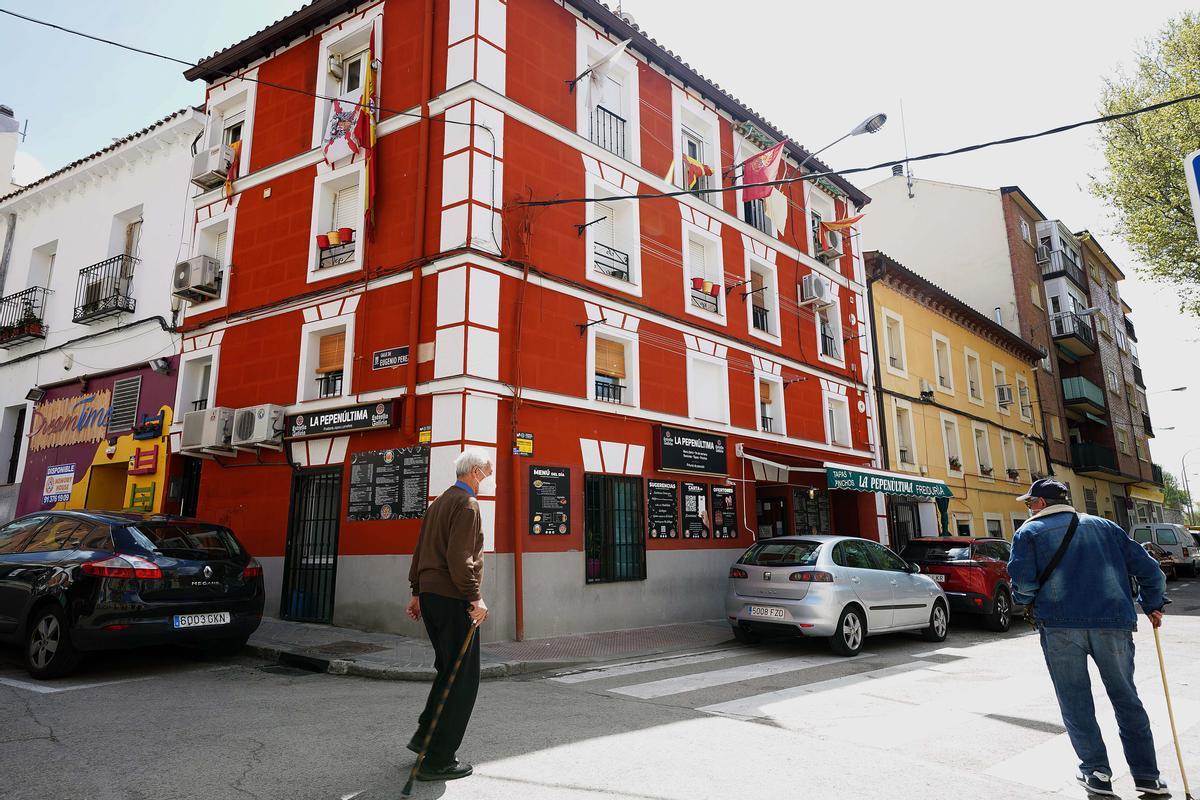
x=614, y=542
x=837, y=420
x=974, y=376
x=941, y=363
x=708, y=388
x=614, y=371
x=122, y=413
x=893, y=342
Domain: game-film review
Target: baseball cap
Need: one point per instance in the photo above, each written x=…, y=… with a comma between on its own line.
x=1046, y=489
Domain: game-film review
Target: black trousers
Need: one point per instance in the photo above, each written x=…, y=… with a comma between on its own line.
x=448, y=624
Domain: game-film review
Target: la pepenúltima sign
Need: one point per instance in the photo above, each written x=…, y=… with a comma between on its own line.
x=866, y=481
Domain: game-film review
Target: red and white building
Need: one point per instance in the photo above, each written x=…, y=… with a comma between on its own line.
x=616, y=357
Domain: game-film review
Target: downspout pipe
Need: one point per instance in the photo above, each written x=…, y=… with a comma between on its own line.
x=877, y=272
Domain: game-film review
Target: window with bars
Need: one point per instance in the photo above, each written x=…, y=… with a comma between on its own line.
x=1089, y=502
x=331, y=363
x=704, y=273
x=122, y=413
x=615, y=549
x=610, y=371
x=610, y=257
x=766, y=407
x=904, y=437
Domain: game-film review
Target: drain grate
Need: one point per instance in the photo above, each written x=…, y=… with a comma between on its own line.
x=347, y=647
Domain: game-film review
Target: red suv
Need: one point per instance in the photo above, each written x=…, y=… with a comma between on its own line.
x=972, y=572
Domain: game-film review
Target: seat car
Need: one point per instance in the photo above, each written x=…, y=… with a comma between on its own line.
x=973, y=573
x=839, y=587
x=75, y=581
x=1176, y=540
x=1165, y=562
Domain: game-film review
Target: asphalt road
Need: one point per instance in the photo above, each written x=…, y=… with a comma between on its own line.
x=973, y=718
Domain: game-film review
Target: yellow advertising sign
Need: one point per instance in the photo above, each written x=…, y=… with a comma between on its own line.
x=78, y=419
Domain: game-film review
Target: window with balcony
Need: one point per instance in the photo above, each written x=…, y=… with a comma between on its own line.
x=704, y=271
x=22, y=316
x=607, y=126
x=941, y=364
x=974, y=376
x=708, y=388
x=893, y=344
x=761, y=296
x=1024, y=399
x=770, y=404
x=1008, y=447
x=105, y=289
x=326, y=359
x=902, y=424
x=837, y=420
x=614, y=368
x=607, y=106
x=335, y=247
x=983, y=449
x=342, y=65
x=612, y=239
x=950, y=444
x=1004, y=390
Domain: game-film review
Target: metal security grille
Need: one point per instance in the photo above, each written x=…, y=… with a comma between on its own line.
x=122, y=413
x=310, y=564
x=614, y=543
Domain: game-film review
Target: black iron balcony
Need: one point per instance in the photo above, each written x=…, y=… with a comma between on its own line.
x=767, y=423
x=610, y=261
x=21, y=316
x=1129, y=329
x=706, y=300
x=761, y=318
x=105, y=289
x=1093, y=459
x=1081, y=393
x=608, y=131
x=609, y=392
x=1157, y=472
x=199, y=405
x=1137, y=376
x=1059, y=264
x=329, y=385
x=756, y=215
x=1146, y=426
x=337, y=254
x=829, y=345
x=1074, y=333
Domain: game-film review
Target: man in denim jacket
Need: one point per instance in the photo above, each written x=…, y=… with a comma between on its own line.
x=1086, y=609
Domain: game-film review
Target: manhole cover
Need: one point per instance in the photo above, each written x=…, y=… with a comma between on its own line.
x=284, y=669
x=347, y=648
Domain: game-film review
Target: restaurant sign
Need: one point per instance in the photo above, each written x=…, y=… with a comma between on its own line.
x=686, y=450
x=861, y=480
x=364, y=417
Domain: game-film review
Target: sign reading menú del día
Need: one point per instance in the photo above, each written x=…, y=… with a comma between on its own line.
x=859, y=481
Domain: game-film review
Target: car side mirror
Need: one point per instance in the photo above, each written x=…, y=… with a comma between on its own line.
x=914, y=568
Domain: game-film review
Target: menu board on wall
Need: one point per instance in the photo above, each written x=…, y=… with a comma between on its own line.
x=696, y=520
x=389, y=484
x=724, y=515
x=662, y=499
x=811, y=514
x=549, y=501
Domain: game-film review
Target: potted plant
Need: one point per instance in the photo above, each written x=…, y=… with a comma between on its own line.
x=985, y=470
x=1013, y=474
x=955, y=463
x=322, y=241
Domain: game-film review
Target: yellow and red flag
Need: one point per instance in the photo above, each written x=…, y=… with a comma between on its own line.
x=762, y=168
x=368, y=118
x=234, y=165
x=836, y=225
x=694, y=171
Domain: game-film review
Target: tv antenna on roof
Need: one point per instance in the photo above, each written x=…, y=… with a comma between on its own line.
x=907, y=163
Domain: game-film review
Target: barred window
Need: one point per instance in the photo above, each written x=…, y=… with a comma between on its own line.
x=615, y=549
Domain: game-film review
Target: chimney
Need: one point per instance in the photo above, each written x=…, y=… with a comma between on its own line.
x=8, y=148
x=897, y=170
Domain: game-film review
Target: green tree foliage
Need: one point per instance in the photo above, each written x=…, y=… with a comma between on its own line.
x=1173, y=494
x=1145, y=183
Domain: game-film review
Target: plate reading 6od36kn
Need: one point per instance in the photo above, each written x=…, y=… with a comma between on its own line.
x=766, y=611
x=200, y=620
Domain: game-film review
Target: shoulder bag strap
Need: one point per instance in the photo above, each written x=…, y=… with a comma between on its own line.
x=1058, y=554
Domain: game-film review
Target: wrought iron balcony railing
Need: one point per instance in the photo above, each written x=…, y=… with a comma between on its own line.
x=21, y=316
x=610, y=392
x=200, y=405
x=706, y=301
x=329, y=385
x=608, y=131
x=767, y=422
x=761, y=318
x=1059, y=264
x=105, y=289
x=337, y=254
x=1092, y=457
x=1069, y=324
x=610, y=261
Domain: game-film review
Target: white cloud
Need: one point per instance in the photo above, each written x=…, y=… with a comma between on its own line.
x=27, y=169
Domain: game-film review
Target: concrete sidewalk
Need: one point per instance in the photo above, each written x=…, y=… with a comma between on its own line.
x=386, y=656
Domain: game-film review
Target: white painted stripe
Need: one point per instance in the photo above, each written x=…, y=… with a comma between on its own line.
x=633, y=668
x=55, y=688
x=756, y=706
x=720, y=677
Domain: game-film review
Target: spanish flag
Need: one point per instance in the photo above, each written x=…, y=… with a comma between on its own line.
x=694, y=171
x=234, y=166
x=368, y=117
x=836, y=225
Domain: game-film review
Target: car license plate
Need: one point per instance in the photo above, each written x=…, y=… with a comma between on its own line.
x=766, y=611
x=201, y=620
x=938, y=578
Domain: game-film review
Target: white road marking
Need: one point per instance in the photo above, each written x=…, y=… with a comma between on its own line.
x=720, y=677
x=55, y=688
x=633, y=668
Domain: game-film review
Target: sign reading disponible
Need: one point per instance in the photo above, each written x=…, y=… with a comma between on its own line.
x=59, y=480
x=79, y=419
x=887, y=483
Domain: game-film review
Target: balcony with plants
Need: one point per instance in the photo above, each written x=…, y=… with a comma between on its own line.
x=22, y=316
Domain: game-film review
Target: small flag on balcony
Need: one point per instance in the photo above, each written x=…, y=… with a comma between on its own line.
x=368, y=117
x=775, y=206
x=762, y=168
x=342, y=129
x=669, y=175
x=836, y=225
x=599, y=68
x=694, y=171
x=234, y=165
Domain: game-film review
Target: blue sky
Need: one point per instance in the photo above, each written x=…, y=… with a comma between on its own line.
x=965, y=72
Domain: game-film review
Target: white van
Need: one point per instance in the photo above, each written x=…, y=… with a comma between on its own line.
x=1176, y=540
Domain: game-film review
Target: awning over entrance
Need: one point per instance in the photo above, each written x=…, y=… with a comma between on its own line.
x=1149, y=495
x=863, y=479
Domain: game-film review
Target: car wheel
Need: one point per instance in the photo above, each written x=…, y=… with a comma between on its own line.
x=1001, y=617
x=939, y=625
x=48, y=649
x=847, y=640
x=744, y=636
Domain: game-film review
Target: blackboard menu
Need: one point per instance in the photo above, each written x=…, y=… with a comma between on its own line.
x=389, y=484
x=696, y=520
x=549, y=501
x=663, y=501
x=725, y=521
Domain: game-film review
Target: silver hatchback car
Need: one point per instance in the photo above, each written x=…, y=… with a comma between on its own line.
x=840, y=587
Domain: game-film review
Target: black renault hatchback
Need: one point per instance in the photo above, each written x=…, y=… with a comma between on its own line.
x=73, y=581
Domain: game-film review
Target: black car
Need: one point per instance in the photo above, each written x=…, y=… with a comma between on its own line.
x=72, y=581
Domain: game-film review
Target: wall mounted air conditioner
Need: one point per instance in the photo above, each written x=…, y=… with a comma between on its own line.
x=211, y=167
x=1043, y=254
x=1004, y=395
x=815, y=289
x=211, y=427
x=258, y=425
x=196, y=279
x=833, y=246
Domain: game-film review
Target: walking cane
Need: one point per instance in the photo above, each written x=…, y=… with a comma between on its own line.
x=1171, y=714
x=437, y=714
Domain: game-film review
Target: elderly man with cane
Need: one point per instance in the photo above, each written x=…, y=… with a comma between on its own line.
x=1075, y=574
x=446, y=577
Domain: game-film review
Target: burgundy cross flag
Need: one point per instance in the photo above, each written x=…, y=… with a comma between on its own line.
x=762, y=168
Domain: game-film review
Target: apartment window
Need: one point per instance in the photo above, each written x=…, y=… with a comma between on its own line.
x=962, y=525
x=326, y=359
x=829, y=331
x=902, y=423
x=342, y=64
x=893, y=343
x=974, y=376
x=754, y=212
x=354, y=72
x=1140, y=444
x=615, y=369
x=1035, y=294
x=941, y=363
x=1024, y=401
x=1056, y=429
x=1004, y=392
x=329, y=372
x=694, y=148
x=41, y=265
x=983, y=449
x=1103, y=324
x=1009, y=446
x=231, y=119
x=232, y=127
x=122, y=413
x=1089, y=502
x=704, y=271
x=212, y=239
x=1123, y=441
x=994, y=525
x=613, y=237
x=770, y=404
x=1023, y=225
x=950, y=444
x=1032, y=460
x=607, y=102
x=196, y=381
x=1133, y=398
x=607, y=123
x=708, y=388
x=337, y=213
x=762, y=300
x=837, y=420
x=614, y=543
x=820, y=209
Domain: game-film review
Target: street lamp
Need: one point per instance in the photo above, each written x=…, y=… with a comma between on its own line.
x=1176, y=389
x=871, y=124
x=1187, y=490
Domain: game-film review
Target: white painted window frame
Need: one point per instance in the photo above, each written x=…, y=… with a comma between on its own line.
x=704, y=122
x=979, y=427
x=226, y=219
x=187, y=363
x=939, y=338
x=329, y=86
x=902, y=370
x=629, y=233
x=778, y=405
x=631, y=397
x=321, y=189
x=996, y=384
x=772, y=275
x=899, y=405
x=834, y=310
x=957, y=517
x=693, y=357
x=991, y=516
x=841, y=404
x=235, y=96
x=946, y=454
x=1023, y=383
x=712, y=244
x=589, y=48
x=968, y=355
x=310, y=336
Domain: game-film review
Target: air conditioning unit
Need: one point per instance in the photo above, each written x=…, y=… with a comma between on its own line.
x=815, y=289
x=1004, y=395
x=211, y=167
x=196, y=279
x=832, y=248
x=211, y=427
x=1043, y=254
x=257, y=425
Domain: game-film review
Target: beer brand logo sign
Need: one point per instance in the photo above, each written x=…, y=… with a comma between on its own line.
x=80, y=419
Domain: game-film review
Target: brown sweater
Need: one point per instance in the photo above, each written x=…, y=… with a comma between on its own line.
x=448, y=559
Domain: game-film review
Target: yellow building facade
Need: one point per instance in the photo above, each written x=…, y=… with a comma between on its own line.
x=956, y=402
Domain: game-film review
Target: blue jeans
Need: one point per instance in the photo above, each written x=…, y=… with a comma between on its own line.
x=1067, y=651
